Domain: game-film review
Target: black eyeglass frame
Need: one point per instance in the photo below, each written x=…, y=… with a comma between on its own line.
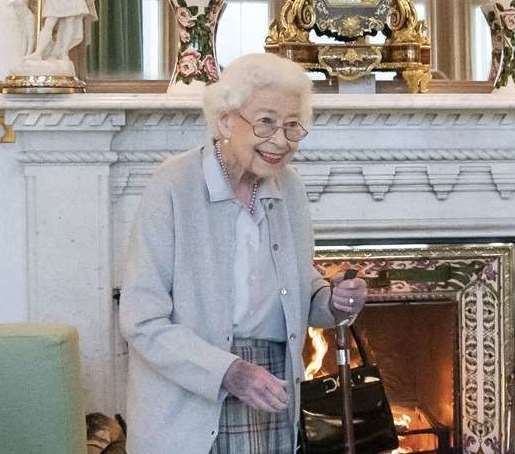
x=274, y=130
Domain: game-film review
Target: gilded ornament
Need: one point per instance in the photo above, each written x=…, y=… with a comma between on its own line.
x=406, y=51
x=43, y=84
x=297, y=17
x=352, y=56
x=417, y=80
x=349, y=63
x=350, y=21
x=351, y=25
x=8, y=135
x=403, y=21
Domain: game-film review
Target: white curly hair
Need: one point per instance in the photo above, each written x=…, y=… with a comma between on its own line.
x=251, y=72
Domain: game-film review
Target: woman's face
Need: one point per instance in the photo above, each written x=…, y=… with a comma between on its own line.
x=255, y=156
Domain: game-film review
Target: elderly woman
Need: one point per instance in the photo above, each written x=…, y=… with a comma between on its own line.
x=220, y=284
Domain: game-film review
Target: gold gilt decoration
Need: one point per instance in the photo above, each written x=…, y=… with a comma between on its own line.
x=348, y=63
x=297, y=17
x=8, y=133
x=42, y=84
x=407, y=51
x=346, y=20
x=479, y=279
x=404, y=23
x=409, y=45
x=417, y=80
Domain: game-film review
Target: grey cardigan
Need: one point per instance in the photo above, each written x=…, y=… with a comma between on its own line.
x=177, y=301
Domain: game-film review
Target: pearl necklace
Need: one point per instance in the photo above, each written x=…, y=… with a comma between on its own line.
x=252, y=202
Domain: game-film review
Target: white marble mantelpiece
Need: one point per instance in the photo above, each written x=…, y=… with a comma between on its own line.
x=111, y=101
x=371, y=148
x=376, y=167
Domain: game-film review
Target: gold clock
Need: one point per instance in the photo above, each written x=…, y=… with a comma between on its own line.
x=349, y=20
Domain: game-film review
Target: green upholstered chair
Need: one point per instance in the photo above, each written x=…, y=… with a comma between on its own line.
x=41, y=408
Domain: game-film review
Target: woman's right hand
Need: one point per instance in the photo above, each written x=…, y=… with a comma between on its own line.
x=256, y=387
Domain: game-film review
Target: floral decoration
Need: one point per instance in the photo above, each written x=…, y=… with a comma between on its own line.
x=197, y=26
x=501, y=19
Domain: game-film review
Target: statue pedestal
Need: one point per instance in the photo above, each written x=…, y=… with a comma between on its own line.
x=39, y=67
x=42, y=85
x=34, y=75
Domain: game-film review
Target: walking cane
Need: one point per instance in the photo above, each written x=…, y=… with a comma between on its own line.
x=344, y=373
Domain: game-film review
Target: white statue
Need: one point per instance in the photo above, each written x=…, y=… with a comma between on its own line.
x=25, y=20
x=17, y=25
x=67, y=18
x=63, y=29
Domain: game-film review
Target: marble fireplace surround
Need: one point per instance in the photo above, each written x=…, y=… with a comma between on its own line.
x=394, y=168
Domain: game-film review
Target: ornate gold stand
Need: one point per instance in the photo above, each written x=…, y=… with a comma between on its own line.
x=407, y=50
x=43, y=84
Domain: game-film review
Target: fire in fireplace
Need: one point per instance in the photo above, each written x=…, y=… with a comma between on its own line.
x=419, y=433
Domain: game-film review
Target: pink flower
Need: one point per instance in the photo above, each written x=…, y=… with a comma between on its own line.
x=190, y=51
x=184, y=17
x=184, y=36
x=189, y=63
x=210, y=68
x=497, y=42
x=508, y=17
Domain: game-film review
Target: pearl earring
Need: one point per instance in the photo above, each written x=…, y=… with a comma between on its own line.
x=225, y=141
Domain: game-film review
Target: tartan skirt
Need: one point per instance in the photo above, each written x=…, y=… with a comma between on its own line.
x=244, y=430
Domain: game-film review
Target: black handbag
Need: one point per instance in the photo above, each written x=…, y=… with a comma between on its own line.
x=321, y=409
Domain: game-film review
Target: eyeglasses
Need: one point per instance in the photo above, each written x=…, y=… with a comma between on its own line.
x=293, y=131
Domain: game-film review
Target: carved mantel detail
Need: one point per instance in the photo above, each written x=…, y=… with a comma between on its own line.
x=65, y=120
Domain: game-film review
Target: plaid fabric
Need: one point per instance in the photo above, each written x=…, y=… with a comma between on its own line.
x=243, y=430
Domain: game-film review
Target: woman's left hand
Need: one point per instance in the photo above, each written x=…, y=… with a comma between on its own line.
x=349, y=296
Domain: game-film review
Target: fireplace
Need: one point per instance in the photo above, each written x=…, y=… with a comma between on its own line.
x=438, y=324
x=415, y=345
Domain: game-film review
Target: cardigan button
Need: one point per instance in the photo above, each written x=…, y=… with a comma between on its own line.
x=293, y=337
x=275, y=247
x=270, y=205
x=297, y=380
x=284, y=291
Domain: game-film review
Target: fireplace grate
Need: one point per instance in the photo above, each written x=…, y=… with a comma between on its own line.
x=420, y=433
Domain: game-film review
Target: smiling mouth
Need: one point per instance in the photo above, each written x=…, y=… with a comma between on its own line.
x=271, y=158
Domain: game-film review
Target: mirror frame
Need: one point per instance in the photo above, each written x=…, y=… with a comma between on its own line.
x=437, y=85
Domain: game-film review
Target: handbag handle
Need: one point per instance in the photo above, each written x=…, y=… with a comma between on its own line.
x=359, y=344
